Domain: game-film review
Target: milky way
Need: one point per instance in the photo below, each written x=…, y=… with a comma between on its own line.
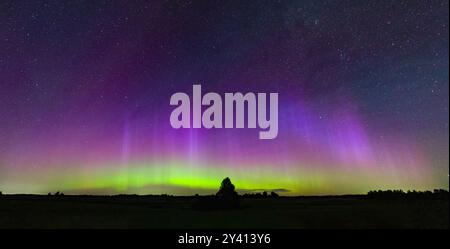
x=85, y=89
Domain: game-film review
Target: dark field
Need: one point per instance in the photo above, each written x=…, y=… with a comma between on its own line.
x=17, y=211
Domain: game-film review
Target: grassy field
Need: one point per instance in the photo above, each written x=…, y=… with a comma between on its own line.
x=30, y=211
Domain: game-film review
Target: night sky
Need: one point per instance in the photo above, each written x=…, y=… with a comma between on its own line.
x=85, y=88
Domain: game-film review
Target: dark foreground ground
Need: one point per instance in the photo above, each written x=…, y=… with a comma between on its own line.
x=178, y=212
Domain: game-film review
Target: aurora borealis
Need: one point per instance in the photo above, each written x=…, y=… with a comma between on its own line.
x=85, y=89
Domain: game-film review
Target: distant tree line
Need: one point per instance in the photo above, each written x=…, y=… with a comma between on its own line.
x=261, y=195
x=400, y=194
x=56, y=193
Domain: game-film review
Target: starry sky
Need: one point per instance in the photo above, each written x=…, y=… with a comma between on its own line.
x=85, y=89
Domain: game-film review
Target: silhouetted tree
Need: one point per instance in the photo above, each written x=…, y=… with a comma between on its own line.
x=225, y=198
x=273, y=194
x=227, y=189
